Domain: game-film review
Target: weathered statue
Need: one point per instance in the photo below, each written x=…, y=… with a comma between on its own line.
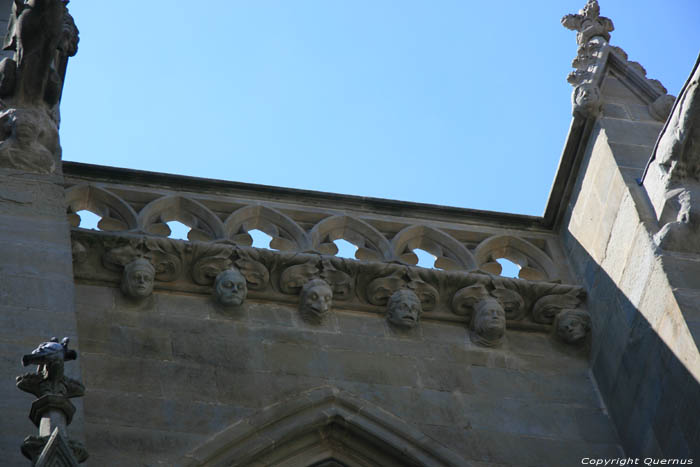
x=28, y=140
x=546, y=308
x=488, y=315
x=43, y=35
x=673, y=173
x=316, y=299
x=49, y=378
x=488, y=322
x=588, y=23
x=573, y=325
x=137, y=280
x=404, y=308
x=230, y=287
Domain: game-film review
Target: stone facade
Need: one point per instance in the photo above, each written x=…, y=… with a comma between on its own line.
x=208, y=351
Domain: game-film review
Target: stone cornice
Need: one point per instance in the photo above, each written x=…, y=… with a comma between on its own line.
x=276, y=276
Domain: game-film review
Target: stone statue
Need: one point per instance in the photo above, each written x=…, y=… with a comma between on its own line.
x=588, y=23
x=52, y=411
x=672, y=178
x=488, y=322
x=137, y=280
x=49, y=378
x=43, y=35
x=230, y=288
x=573, y=325
x=404, y=308
x=316, y=299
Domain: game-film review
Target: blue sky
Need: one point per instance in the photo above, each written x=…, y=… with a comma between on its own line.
x=447, y=102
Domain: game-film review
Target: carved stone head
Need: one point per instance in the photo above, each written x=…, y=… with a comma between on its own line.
x=137, y=280
x=489, y=322
x=586, y=99
x=316, y=299
x=546, y=308
x=573, y=325
x=404, y=308
x=230, y=288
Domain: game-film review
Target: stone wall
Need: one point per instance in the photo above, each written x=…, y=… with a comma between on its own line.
x=643, y=300
x=36, y=293
x=165, y=376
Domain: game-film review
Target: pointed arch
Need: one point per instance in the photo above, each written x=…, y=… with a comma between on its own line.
x=286, y=234
x=534, y=263
x=371, y=243
x=304, y=429
x=188, y=211
x=104, y=203
x=450, y=253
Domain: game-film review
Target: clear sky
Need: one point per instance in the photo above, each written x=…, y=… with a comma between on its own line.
x=450, y=102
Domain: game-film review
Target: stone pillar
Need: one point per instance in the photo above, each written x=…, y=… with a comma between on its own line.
x=36, y=290
x=36, y=274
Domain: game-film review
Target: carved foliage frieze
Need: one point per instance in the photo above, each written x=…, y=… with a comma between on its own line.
x=198, y=267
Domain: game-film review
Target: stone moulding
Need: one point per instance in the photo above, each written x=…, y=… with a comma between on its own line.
x=395, y=243
x=282, y=434
x=277, y=276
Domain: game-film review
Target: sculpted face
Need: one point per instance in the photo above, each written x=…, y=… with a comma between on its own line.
x=489, y=321
x=573, y=325
x=230, y=288
x=316, y=299
x=137, y=281
x=404, y=308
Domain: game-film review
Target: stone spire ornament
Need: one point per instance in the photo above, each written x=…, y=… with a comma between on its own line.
x=52, y=411
x=43, y=35
x=593, y=34
x=588, y=23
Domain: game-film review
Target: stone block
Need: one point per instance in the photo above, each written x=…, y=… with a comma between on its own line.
x=256, y=389
x=117, y=446
x=631, y=155
x=103, y=337
x=227, y=354
x=639, y=266
x=629, y=132
x=35, y=292
x=621, y=238
x=574, y=388
x=295, y=359
x=640, y=112
x=615, y=110
x=365, y=324
x=269, y=315
x=126, y=374
x=444, y=376
x=615, y=91
x=496, y=448
x=371, y=368
x=178, y=415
